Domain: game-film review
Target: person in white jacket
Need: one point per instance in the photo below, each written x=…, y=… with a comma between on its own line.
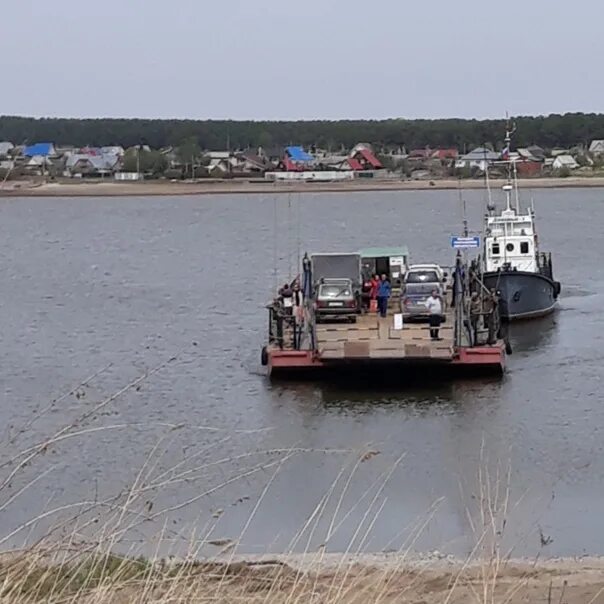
x=435, y=308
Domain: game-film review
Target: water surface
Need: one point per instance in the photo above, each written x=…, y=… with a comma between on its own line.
x=129, y=283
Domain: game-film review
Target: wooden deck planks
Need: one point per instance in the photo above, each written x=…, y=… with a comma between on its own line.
x=376, y=338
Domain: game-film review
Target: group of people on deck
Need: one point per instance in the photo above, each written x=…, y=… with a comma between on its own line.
x=378, y=290
x=291, y=297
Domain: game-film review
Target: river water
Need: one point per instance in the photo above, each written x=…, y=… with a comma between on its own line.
x=117, y=287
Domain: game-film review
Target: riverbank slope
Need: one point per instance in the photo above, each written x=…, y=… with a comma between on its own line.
x=234, y=187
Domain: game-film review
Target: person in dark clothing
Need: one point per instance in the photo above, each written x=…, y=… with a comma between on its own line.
x=384, y=291
x=475, y=314
x=366, y=295
x=298, y=302
x=287, y=297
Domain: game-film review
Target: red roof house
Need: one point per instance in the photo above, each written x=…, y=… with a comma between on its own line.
x=364, y=159
x=354, y=164
x=443, y=154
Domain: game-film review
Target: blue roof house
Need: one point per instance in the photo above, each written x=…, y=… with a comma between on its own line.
x=298, y=154
x=40, y=149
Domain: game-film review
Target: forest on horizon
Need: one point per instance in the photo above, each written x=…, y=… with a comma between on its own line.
x=550, y=131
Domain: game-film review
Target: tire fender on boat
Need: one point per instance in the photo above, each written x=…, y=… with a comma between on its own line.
x=264, y=356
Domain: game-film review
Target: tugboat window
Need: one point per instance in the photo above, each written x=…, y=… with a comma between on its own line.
x=524, y=247
x=495, y=249
x=509, y=247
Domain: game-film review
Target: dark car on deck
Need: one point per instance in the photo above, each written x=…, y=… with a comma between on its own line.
x=336, y=299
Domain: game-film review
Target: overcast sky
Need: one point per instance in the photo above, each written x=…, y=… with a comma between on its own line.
x=275, y=59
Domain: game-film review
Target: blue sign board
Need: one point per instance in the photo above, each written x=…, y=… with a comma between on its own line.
x=462, y=243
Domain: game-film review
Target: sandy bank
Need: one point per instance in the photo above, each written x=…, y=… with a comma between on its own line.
x=327, y=579
x=115, y=189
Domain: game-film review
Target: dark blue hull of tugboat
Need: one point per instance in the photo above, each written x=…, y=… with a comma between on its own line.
x=523, y=295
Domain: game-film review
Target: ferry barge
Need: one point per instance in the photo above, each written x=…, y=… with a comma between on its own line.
x=298, y=345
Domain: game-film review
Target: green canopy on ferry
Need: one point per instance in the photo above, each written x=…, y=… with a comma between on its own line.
x=384, y=252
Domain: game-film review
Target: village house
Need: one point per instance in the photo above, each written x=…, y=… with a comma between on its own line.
x=565, y=161
x=445, y=154
x=6, y=148
x=250, y=162
x=334, y=162
x=528, y=163
x=113, y=150
x=360, y=158
x=39, y=159
x=296, y=159
x=7, y=164
x=597, y=147
x=526, y=155
x=537, y=152
x=88, y=165
x=40, y=150
x=479, y=158
x=241, y=163
x=271, y=154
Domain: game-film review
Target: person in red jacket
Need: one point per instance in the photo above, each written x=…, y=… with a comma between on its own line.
x=375, y=283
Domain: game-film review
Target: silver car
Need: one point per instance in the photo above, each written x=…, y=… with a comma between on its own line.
x=420, y=281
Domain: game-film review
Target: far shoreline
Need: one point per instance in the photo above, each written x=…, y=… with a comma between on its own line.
x=248, y=187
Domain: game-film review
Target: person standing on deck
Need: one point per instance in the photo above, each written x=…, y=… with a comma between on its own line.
x=383, y=295
x=298, y=302
x=375, y=283
x=287, y=297
x=435, y=308
x=475, y=314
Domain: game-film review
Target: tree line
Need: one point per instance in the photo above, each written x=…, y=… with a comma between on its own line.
x=549, y=131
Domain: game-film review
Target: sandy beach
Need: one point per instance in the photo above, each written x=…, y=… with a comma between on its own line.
x=232, y=187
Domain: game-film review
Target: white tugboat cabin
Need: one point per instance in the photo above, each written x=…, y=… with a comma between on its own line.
x=511, y=241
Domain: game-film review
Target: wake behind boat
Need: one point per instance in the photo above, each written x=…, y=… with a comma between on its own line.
x=512, y=263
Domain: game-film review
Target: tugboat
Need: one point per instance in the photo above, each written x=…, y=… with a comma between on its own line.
x=513, y=266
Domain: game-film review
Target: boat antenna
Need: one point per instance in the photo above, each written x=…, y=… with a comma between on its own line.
x=462, y=203
x=512, y=182
x=289, y=234
x=298, y=232
x=275, y=234
x=487, y=183
x=516, y=189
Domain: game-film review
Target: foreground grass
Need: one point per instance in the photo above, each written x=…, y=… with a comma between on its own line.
x=115, y=580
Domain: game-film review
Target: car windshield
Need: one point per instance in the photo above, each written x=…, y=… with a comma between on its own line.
x=334, y=291
x=422, y=277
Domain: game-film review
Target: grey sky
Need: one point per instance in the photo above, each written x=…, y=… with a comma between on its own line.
x=275, y=59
